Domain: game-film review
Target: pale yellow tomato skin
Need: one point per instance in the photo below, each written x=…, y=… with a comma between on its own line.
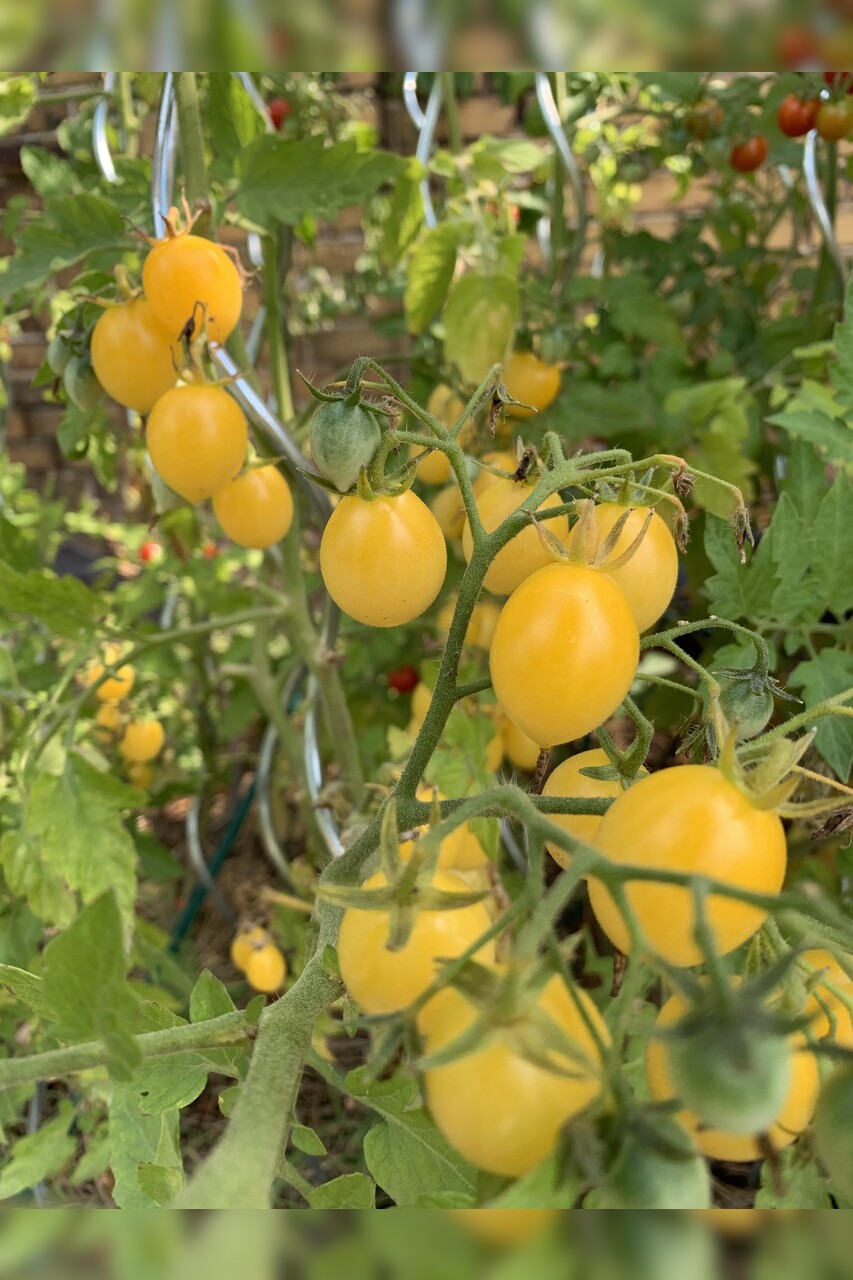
x=197, y=438
x=132, y=356
x=383, y=562
x=383, y=981
x=526, y=552
x=525, y=1105
x=142, y=741
x=821, y=1024
x=531, y=380
x=714, y=1143
x=244, y=943
x=504, y=1226
x=141, y=775
x=421, y=699
x=108, y=718
x=649, y=577
x=266, y=968
x=445, y=405
x=504, y=459
x=183, y=271
x=255, y=509
x=567, y=780
x=115, y=687
x=564, y=653
x=520, y=751
x=449, y=511
x=689, y=819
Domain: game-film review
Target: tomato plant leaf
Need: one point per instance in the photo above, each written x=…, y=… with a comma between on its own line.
x=737, y=590
x=479, y=317
x=233, y=119
x=65, y=605
x=405, y=1152
x=209, y=999
x=159, y=1183
x=39, y=1155
x=833, y=437
x=26, y=987
x=48, y=173
x=74, y=821
x=306, y=1140
x=429, y=273
x=841, y=370
x=800, y=592
x=833, y=546
x=17, y=98
x=830, y=672
x=350, y=1191
x=84, y=984
x=137, y=1139
x=282, y=180
x=795, y=1183
x=404, y=215
x=68, y=229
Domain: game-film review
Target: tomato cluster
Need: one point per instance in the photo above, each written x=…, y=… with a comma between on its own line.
x=139, y=741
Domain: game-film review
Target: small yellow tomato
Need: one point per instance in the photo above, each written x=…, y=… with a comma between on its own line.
x=521, y=751
x=449, y=511
x=197, y=438
x=526, y=552
x=132, y=355
x=421, y=698
x=822, y=1023
x=503, y=1227
x=567, y=780
x=244, y=943
x=141, y=775
x=649, y=576
x=266, y=968
x=531, y=380
x=108, y=717
x=504, y=460
x=461, y=850
x=115, y=687
x=256, y=509
x=142, y=741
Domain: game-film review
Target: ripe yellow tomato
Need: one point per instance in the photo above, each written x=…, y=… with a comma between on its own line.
x=449, y=511
x=481, y=625
x=689, y=819
x=256, y=509
x=504, y=1226
x=564, y=653
x=822, y=1024
x=266, y=968
x=183, y=271
x=526, y=552
x=567, y=780
x=495, y=1108
x=445, y=405
x=521, y=751
x=383, y=981
x=197, y=438
x=116, y=687
x=108, y=717
x=141, y=775
x=461, y=850
x=383, y=562
x=648, y=578
x=142, y=741
x=530, y=379
x=421, y=698
x=132, y=356
x=244, y=943
x=713, y=1143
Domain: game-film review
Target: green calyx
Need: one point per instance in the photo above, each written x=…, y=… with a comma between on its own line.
x=653, y=1163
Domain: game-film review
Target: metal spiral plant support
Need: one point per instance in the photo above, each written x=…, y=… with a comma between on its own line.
x=554, y=125
x=425, y=122
x=819, y=208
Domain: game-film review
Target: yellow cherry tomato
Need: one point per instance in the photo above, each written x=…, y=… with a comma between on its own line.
x=648, y=578
x=526, y=552
x=521, y=751
x=421, y=698
x=186, y=277
x=564, y=653
x=498, y=1110
x=266, y=968
x=461, y=850
x=141, y=775
x=383, y=981
x=445, y=405
x=531, y=380
x=115, y=687
x=567, y=780
x=108, y=717
x=504, y=460
x=132, y=356
x=197, y=438
x=256, y=509
x=690, y=819
x=383, y=562
x=794, y=1117
x=142, y=741
x=244, y=943
x=822, y=1024
x=449, y=511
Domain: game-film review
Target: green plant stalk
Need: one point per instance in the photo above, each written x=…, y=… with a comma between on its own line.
x=192, y=138
x=129, y=118
x=275, y=267
x=451, y=108
x=229, y=1029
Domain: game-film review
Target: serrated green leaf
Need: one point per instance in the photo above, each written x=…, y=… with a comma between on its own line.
x=834, y=437
x=841, y=371
x=306, y=1140
x=800, y=592
x=17, y=96
x=39, y=1155
x=232, y=119
x=169, y=1083
x=404, y=216
x=805, y=480
x=137, y=1139
x=48, y=173
x=65, y=605
x=282, y=180
x=821, y=677
x=209, y=999
x=793, y=1183
x=736, y=590
x=429, y=273
x=351, y=1191
x=94, y=1161
x=479, y=318
x=30, y=877
x=405, y=1152
x=637, y=311
x=26, y=987
x=833, y=546
x=68, y=229
x=159, y=1183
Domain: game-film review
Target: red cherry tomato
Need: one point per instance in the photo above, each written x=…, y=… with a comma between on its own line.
x=749, y=155
x=279, y=110
x=210, y=551
x=796, y=47
x=403, y=679
x=796, y=116
x=150, y=551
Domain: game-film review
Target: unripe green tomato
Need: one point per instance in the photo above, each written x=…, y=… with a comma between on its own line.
x=747, y=704
x=81, y=385
x=832, y=1130
x=58, y=354
x=648, y=1175
x=344, y=438
x=736, y=1082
